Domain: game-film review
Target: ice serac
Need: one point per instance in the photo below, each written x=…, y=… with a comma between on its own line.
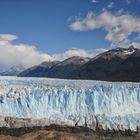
x=115, y=105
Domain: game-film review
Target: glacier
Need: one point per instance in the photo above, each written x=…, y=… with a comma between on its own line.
x=116, y=105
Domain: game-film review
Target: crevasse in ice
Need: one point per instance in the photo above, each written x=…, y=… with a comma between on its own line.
x=116, y=105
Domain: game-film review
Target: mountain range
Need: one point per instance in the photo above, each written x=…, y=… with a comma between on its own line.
x=11, y=71
x=120, y=64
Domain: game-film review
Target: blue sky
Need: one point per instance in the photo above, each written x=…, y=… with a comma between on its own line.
x=44, y=23
x=56, y=26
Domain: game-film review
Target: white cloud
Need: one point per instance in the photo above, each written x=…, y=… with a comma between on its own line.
x=78, y=52
x=94, y=1
x=137, y=38
x=129, y=1
x=27, y=55
x=118, y=26
x=110, y=5
x=7, y=37
x=20, y=54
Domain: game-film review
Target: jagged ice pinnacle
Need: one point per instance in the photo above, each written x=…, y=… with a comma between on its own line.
x=116, y=105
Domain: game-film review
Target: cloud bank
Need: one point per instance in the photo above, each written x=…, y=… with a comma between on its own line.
x=26, y=55
x=94, y=1
x=119, y=26
x=78, y=52
x=110, y=5
x=20, y=54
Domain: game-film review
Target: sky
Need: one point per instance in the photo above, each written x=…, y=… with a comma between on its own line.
x=33, y=31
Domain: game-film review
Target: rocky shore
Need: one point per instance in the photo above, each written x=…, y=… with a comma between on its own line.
x=57, y=132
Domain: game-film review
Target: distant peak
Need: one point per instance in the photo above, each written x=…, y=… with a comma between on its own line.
x=131, y=48
x=77, y=58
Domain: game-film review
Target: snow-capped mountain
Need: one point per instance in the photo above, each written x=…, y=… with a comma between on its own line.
x=120, y=64
x=65, y=68
x=11, y=71
x=122, y=53
x=55, y=69
x=38, y=70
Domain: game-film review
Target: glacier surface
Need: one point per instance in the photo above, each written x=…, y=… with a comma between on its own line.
x=115, y=105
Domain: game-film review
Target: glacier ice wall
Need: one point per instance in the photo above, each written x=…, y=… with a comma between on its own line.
x=116, y=105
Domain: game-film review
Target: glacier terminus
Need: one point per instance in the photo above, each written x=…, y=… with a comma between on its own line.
x=116, y=105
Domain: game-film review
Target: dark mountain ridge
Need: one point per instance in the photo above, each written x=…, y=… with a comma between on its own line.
x=120, y=64
x=38, y=70
x=55, y=69
x=11, y=71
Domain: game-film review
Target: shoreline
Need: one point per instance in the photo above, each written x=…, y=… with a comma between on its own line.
x=79, y=131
